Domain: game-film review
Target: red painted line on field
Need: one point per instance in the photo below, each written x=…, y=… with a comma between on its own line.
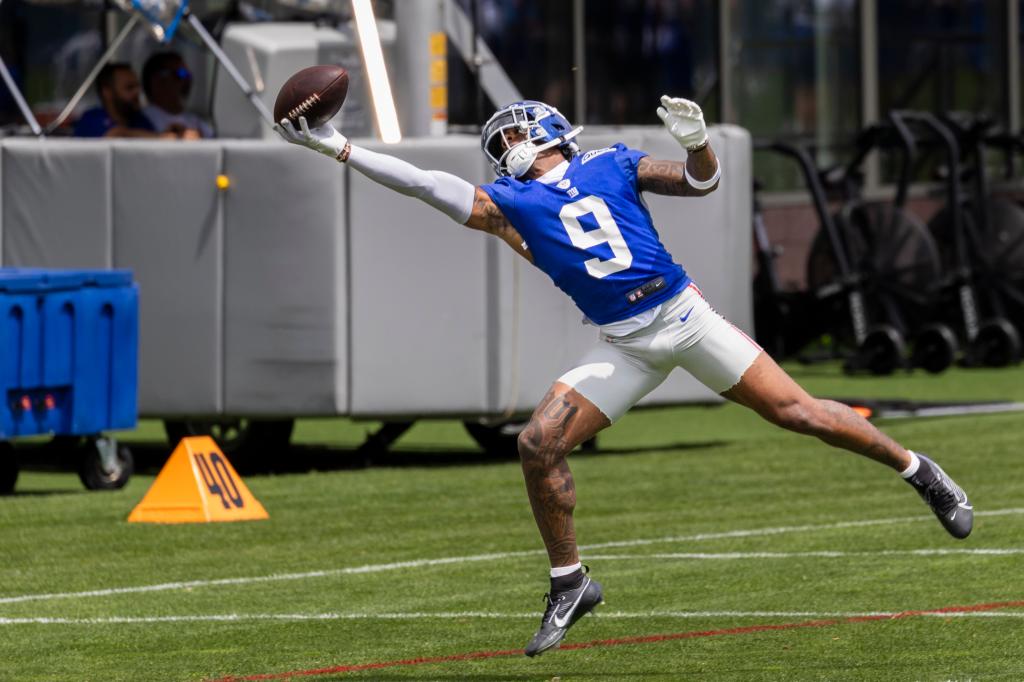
x=643, y=639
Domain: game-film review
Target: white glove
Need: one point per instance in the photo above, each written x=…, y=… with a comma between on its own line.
x=324, y=139
x=685, y=121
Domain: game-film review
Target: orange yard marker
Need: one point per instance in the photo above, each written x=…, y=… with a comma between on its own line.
x=197, y=484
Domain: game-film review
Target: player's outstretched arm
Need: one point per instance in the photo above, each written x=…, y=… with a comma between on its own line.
x=700, y=173
x=448, y=193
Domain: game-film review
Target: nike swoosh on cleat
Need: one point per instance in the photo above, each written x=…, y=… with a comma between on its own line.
x=684, y=318
x=953, y=517
x=561, y=622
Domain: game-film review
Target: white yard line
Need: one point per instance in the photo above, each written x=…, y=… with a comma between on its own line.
x=825, y=554
x=462, y=615
x=496, y=556
x=755, y=532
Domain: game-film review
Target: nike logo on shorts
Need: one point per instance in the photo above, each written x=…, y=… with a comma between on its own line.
x=684, y=318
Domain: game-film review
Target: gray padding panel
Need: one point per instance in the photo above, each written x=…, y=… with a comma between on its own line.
x=56, y=209
x=419, y=293
x=167, y=229
x=738, y=188
x=248, y=303
x=282, y=217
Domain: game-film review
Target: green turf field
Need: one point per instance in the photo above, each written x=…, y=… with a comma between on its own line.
x=728, y=551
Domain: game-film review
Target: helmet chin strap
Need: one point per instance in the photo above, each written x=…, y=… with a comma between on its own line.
x=520, y=158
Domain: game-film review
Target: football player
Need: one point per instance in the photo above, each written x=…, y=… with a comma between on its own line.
x=555, y=206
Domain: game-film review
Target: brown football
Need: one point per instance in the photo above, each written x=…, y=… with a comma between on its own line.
x=316, y=92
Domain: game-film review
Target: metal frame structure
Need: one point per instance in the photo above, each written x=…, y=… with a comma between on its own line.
x=496, y=83
x=1013, y=73
x=136, y=15
x=107, y=55
x=19, y=99
x=870, y=75
x=868, y=59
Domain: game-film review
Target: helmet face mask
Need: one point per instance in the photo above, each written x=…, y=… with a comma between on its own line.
x=515, y=134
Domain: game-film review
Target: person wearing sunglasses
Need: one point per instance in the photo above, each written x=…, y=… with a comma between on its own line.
x=167, y=81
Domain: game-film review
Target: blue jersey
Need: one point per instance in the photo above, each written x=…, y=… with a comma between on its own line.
x=96, y=122
x=593, y=236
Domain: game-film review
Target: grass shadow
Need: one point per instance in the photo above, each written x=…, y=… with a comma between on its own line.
x=150, y=457
x=44, y=493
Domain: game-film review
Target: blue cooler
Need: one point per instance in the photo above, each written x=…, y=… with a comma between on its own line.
x=69, y=358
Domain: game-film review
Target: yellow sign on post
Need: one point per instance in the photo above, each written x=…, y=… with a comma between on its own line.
x=196, y=485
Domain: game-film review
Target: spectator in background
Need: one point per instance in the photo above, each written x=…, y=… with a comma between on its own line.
x=120, y=111
x=167, y=81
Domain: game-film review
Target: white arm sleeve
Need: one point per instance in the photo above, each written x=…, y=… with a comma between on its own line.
x=448, y=193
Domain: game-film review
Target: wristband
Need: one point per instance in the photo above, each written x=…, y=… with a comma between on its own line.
x=344, y=153
x=703, y=184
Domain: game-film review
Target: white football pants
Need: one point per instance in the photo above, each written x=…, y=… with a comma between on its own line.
x=620, y=370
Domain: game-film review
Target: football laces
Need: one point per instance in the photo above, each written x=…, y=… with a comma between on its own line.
x=304, y=106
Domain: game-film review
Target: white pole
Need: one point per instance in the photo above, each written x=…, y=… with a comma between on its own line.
x=19, y=99
x=239, y=79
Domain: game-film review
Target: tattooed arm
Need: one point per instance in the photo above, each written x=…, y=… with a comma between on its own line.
x=487, y=217
x=667, y=177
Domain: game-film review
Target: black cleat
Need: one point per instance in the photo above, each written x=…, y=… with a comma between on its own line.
x=564, y=608
x=944, y=496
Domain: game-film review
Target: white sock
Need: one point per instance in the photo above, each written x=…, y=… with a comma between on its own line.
x=915, y=462
x=566, y=570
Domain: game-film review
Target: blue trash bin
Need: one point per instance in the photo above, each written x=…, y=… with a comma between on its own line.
x=69, y=363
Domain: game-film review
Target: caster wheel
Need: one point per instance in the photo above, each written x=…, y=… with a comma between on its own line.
x=105, y=465
x=8, y=468
x=996, y=345
x=882, y=351
x=935, y=348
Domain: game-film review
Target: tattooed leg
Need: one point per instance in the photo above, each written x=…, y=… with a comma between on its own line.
x=562, y=420
x=769, y=391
